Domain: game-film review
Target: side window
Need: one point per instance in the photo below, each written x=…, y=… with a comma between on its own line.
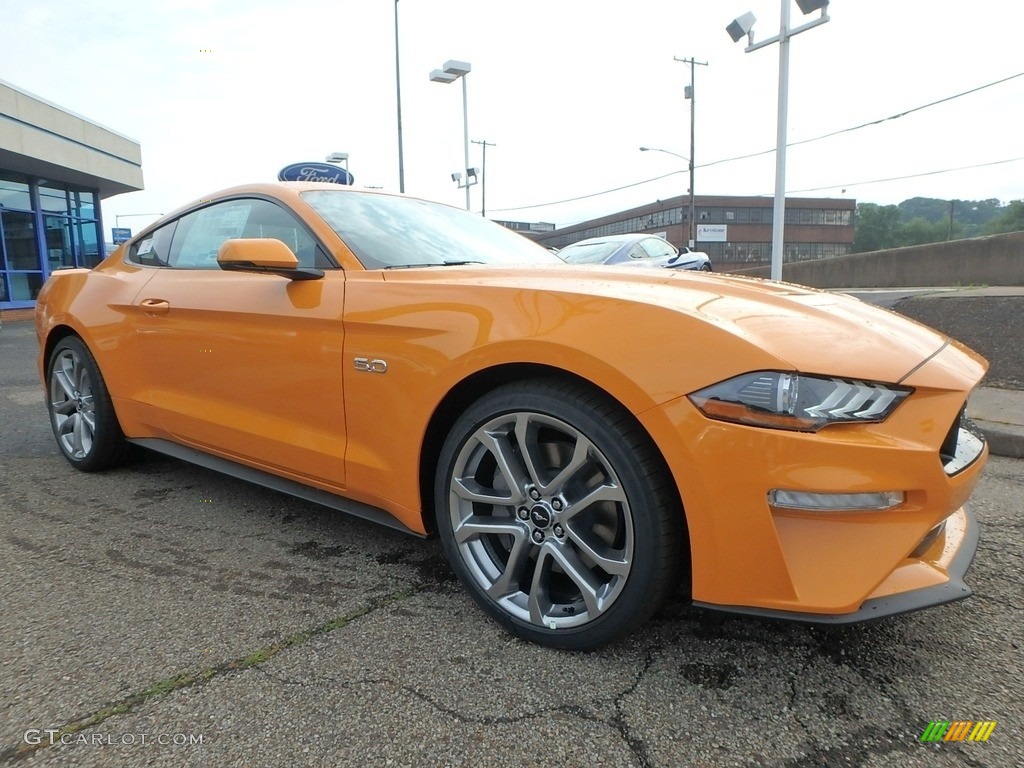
x=153, y=250
x=200, y=234
x=658, y=248
x=272, y=221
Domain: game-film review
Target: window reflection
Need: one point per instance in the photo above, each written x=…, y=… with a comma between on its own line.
x=20, y=246
x=14, y=194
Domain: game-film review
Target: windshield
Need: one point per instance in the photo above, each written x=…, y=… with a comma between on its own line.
x=389, y=232
x=589, y=253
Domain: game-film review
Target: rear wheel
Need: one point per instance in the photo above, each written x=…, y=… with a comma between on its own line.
x=557, y=514
x=81, y=413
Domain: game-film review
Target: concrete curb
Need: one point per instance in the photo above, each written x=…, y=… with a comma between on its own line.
x=1003, y=439
x=999, y=414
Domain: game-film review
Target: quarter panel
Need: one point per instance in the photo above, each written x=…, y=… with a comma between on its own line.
x=97, y=305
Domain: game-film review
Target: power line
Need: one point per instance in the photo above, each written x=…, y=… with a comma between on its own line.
x=793, y=144
x=909, y=176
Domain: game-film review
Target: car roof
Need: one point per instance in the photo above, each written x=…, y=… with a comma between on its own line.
x=614, y=239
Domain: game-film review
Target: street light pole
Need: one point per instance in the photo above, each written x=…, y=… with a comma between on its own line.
x=452, y=71
x=398, y=97
x=779, y=207
x=465, y=136
x=690, y=93
x=744, y=26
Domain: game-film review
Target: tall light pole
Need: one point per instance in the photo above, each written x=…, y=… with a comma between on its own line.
x=454, y=70
x=690, y=94
x=690, y=161
x=483, y=171
x=398, y=97
x=744, y=26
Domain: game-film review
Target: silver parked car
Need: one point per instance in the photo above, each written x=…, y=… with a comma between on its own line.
x=636, y=250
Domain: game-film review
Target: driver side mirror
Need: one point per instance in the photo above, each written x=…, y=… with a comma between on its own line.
x=265, y=255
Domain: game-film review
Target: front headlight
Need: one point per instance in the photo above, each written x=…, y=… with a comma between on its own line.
x=797, y=401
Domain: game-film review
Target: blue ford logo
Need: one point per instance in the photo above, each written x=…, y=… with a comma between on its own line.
x=315, y=172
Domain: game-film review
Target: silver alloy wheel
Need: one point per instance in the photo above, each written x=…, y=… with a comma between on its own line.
x=72, y=406
x=541, y=520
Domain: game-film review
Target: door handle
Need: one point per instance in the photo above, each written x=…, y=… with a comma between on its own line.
x=155, y=306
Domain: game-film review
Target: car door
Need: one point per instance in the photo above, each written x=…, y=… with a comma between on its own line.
x=245, y=365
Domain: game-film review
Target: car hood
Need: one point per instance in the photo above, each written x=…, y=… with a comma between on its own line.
x=805, y=329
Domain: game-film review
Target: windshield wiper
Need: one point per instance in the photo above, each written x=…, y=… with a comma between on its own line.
x=446, y=263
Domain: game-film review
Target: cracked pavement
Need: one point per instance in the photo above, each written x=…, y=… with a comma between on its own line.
x=166, y=600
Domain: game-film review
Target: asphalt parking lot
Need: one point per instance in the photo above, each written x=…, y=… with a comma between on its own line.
x=164, y=615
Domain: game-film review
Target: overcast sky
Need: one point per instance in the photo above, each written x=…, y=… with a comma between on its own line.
x=222, y=92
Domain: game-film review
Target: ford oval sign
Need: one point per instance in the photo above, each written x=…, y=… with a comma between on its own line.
x=315, y=172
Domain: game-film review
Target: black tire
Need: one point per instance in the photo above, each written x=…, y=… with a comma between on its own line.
x=81, y=414
x=511, y=481
x=705, y=267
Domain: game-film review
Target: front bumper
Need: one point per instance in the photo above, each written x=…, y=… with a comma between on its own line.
x=951, y=554
x=748, y=556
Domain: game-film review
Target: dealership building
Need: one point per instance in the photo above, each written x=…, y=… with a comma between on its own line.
x=736, y=232
x=55, y=167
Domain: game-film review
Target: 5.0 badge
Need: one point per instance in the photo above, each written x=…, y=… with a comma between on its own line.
x=370, y=366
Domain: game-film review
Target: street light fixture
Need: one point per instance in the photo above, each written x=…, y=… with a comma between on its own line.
x=692, y=228
x=744, y=25
x=338, y=157
x=452, y=71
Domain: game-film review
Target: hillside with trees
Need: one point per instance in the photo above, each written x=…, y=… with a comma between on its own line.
x=923, y=220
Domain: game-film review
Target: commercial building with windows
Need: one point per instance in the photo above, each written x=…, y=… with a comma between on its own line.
x=55, y=167
x=735, y=232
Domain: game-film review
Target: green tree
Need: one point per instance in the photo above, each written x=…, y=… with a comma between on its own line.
x=920, y=231
x=876, y=228
x=1011, y=219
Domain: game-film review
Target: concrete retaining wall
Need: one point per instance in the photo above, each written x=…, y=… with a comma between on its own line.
x=993, y=260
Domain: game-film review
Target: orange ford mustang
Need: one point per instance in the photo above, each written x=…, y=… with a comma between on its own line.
x=584, y=440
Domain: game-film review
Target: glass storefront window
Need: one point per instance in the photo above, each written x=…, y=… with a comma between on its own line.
x=65, y=226
x=14, y=194
x=52, y=198
x=25, y=286
x=60, y=249
x=19, y=245
x=83, y=204
x=88, y=239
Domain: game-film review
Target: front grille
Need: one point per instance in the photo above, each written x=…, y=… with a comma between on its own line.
x=947, y=451
x=963, y=444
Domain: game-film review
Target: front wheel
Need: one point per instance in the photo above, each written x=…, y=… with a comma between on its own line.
x=81, y=413
x=558, y=515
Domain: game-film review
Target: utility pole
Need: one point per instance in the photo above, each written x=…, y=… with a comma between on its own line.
x=689, y=94
x=483, y=170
